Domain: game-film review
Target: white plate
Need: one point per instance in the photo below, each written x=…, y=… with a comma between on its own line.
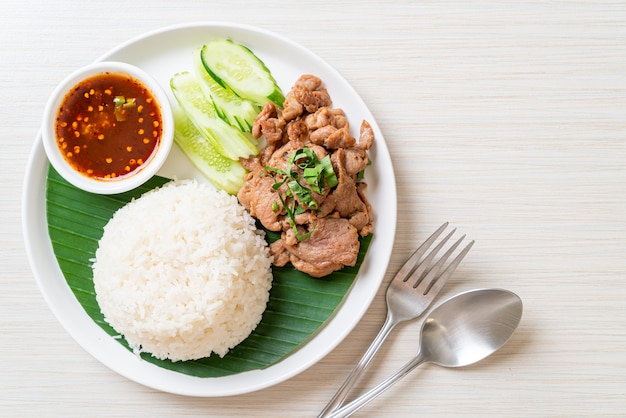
x=163, y=53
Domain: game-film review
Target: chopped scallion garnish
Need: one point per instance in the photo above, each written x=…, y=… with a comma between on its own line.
x=318, y=175
x=122, y=104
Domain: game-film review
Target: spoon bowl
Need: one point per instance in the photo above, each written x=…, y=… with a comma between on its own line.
x=470, y=327
x=461, y=331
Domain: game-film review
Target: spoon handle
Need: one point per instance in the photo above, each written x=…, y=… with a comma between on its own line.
x=344, y=390
x=364, y=399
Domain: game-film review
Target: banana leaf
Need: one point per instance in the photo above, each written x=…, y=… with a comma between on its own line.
x=298, y=306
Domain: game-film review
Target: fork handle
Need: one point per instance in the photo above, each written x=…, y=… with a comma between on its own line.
x=345, y=388
x=361, y=401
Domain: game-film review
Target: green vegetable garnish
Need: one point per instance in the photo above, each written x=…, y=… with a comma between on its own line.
x=361, y=174
x=319, y=176
x=122, y=104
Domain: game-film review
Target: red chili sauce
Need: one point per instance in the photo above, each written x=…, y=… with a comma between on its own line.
x=108, y=126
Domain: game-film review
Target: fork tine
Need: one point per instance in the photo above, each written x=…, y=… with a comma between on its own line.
x=419, y=273
x=410, y=265
x=434, y=271
x=436, y=285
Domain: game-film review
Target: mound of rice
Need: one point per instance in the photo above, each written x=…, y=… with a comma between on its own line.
x=182, y=272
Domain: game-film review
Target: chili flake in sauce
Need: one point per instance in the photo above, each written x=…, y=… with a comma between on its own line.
x=108, y=126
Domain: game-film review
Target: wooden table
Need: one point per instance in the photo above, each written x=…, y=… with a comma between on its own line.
x=506, y=118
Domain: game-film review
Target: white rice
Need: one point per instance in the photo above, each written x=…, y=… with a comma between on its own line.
x=182, y=272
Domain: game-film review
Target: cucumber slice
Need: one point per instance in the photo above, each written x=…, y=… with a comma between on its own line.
x=234, y=66
x=229, y=106
x=227, y=140
x=223, y=172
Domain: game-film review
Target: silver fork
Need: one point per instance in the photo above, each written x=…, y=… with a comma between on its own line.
x=409, y=294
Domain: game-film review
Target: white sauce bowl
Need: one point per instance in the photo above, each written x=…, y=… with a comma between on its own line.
x=120, y=184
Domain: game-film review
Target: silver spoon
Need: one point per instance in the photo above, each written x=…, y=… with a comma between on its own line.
x=461, y=331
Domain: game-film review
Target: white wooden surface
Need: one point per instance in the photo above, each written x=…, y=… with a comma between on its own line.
x=507, y=118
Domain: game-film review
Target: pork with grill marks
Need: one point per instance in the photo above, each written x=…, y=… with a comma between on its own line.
x=321, y=238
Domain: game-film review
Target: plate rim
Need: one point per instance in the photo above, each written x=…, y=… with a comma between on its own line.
x=145, y=373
